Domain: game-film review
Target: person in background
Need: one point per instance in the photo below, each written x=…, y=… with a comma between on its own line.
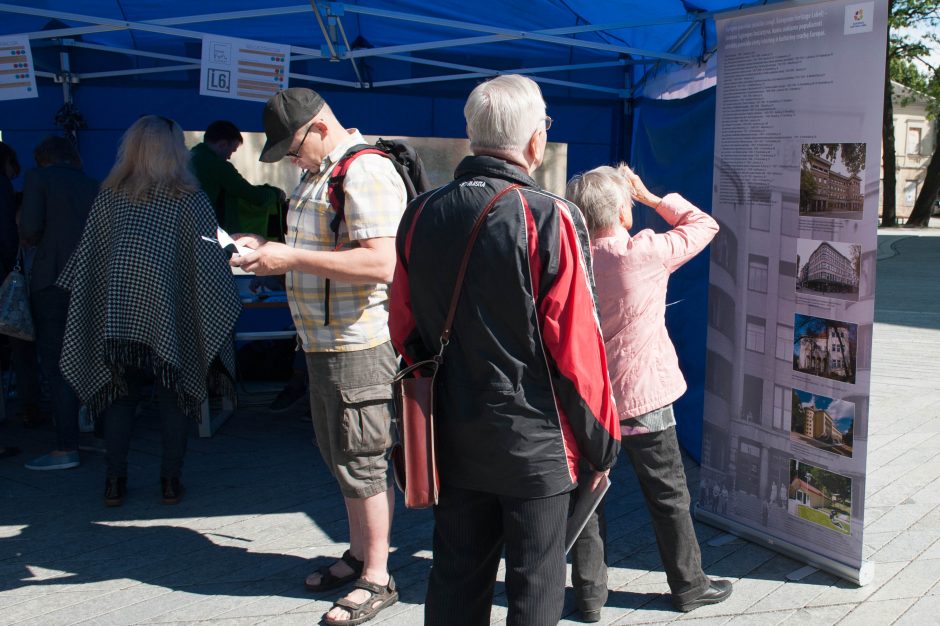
x=9, y=169
x=150, y=300
x=523, y=391
x=56, y=199
x=219, y=178
x=337, y=285
x=228, y=191
x=631, y=274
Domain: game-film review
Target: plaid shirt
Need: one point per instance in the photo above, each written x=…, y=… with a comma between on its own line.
x=375, y=201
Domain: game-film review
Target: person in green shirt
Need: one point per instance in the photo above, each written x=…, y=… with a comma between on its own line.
x=222, y=182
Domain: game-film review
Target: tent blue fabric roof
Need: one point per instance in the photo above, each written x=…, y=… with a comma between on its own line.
x=506, y=35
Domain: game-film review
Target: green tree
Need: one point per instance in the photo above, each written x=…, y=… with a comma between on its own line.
x=808, y=188
x=797, y=418
x=902, y=50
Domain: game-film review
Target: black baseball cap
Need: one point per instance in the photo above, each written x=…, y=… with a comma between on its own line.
x=284, y=113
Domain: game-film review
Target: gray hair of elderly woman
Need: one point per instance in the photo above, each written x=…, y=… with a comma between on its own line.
x=600, y=193
x=503, y=112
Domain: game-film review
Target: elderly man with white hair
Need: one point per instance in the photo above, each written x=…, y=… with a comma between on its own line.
x=632, y=273
x=523, y=392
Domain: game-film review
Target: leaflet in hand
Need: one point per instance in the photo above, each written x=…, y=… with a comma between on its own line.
x=228, y=244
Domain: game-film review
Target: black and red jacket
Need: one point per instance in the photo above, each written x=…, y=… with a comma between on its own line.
x=523, y=393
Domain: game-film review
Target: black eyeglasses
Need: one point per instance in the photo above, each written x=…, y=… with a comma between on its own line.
x=295, y=154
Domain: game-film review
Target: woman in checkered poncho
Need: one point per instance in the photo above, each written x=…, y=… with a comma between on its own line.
x=149, y=300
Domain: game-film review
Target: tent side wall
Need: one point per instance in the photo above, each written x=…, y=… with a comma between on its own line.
x=673, y=146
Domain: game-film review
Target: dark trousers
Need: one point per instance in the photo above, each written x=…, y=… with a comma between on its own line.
x=119, y=421
x=470, y=532
x=26, y=367
x=50, y=307
x=658, y=464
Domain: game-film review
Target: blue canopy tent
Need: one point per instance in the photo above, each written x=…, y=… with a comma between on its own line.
x=404, y=67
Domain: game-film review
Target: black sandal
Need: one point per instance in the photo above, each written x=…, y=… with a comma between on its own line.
x=329, y=580
x=381, y=596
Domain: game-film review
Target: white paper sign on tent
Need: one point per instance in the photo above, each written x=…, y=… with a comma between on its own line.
x=17, y=74
x=242, y=69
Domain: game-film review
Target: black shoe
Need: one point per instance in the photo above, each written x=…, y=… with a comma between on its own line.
x=114, y=489
x=590, y=616
x=172, y=490
x=718, y=591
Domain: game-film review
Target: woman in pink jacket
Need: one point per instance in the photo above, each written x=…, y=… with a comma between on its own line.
x=631, y=274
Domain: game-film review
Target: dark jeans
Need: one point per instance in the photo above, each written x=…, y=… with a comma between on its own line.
x=470, y=531
x=658, y=464
x=119, y=421
x=50, y=307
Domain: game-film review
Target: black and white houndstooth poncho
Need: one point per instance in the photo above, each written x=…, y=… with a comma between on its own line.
x=147, y=291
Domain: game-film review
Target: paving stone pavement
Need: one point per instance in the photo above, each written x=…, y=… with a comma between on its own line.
x=261, y=512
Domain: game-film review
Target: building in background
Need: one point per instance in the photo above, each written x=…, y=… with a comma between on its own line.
x=914, y=137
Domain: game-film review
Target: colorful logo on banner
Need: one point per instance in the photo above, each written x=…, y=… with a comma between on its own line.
x=858, y=18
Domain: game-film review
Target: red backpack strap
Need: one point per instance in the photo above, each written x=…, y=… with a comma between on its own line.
x=337, y=198
x=335, y=193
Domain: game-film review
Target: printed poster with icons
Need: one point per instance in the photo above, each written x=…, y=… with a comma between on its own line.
x=17, y=76
x=242, y=69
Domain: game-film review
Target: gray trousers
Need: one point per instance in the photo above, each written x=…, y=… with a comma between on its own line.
x=658, y=464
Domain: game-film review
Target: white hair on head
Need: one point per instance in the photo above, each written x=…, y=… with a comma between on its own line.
x=601, y=193
x=503, y=112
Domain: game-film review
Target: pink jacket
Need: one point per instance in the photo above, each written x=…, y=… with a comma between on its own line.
x=631, y=275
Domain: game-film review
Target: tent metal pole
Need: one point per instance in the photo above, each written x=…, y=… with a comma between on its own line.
x=323, y=80
x=487, y=74
x=132, y=52
x=101, y=22
x=231, y=15
x=506, y=33
x=326, y=35
x=342, y=32
x=521, y=70
x=562, y=30
x=137, y=71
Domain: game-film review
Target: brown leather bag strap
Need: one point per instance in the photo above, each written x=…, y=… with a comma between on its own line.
x=477, y=226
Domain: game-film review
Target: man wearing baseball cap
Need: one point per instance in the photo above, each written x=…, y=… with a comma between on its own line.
x=337, y=286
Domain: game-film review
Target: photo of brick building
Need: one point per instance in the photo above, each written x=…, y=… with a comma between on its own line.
x=827, y=187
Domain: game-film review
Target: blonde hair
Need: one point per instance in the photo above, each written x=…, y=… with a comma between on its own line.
x=601, y=193
x=503, y=112
x=152, y=155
